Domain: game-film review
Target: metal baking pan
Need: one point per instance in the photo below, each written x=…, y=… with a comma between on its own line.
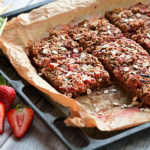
x=25, y=9
x=54, y=119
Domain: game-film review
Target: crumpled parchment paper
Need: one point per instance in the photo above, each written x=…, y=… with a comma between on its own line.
x=96, y=110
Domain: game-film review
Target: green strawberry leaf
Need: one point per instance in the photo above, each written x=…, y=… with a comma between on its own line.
x=2, y=80
x=8, y=84
x=2, y=24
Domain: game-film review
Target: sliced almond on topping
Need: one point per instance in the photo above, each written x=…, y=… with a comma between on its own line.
x=141, y=109
x=130, y=105
x=78, y=35
x=62, y=37
x=85, y=77
x=40, y=74
x=45, y=51
x=63, y=48
x=59, y=44
x=128, y=56
x=104, y=46
x=46, y=46
x=69, y=94
x=120, y=14
x=147, y=110
x=97, y=72
x=132, y=45
x=109, y=32
x=96, y=31
x=77, y=38
x=125, y=20
x=85, y=25
x=83, y=55
x=135, y=66
x=69, y=73
x=84, y=67
x=138, y=15
x=148, y=35
x=98, y=48
x=113, y=90
x=122, y=107
x=73, y=44
x=116, y=104
x=108, y=27
x=117, y=30
x=106, y=91
x=100, y=113
x=75, y=50
x=89, y=91
x=146, y=64
x=122, y=55
x=125, y=105
x=72, y=61
x=134, y=52
x=94, y=105
x=54, y=64
x=89, y=67
x=126, y=68
x=130, y=19
x=96, y=109
x=54, y=52
x=147, y=40
x=114, y=52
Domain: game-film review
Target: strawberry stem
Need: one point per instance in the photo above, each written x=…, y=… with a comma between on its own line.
x=19, y=108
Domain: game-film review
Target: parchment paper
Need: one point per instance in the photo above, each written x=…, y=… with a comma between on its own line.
x=95, y=110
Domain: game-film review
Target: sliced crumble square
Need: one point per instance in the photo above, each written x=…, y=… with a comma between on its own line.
x=142, y=34
x=61, y=61
x=77, y=74
x=94, y=33
x=126, y=61
x=134, y=22
x=126, y=20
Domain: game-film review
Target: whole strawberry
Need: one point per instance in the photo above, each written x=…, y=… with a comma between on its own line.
x=7, y=96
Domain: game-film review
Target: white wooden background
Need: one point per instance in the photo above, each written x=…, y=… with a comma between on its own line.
x=40, y=138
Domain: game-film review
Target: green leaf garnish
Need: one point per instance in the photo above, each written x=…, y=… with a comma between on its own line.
x=2, y=24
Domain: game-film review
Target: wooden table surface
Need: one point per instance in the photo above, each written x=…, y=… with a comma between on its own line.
x=40, y=138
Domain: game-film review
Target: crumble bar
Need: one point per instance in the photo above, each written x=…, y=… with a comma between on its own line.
x=134, y=22
x=126, y=61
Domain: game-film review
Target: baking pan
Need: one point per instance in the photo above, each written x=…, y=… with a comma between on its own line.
x=26, y=9
x=54, y=119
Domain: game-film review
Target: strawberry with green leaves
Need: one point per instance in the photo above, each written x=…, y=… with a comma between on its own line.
x=20, y=120
x=7, y=94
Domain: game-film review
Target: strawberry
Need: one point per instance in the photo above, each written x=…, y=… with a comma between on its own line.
x=7, y=96
x=2, y=117
x=19, y=120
